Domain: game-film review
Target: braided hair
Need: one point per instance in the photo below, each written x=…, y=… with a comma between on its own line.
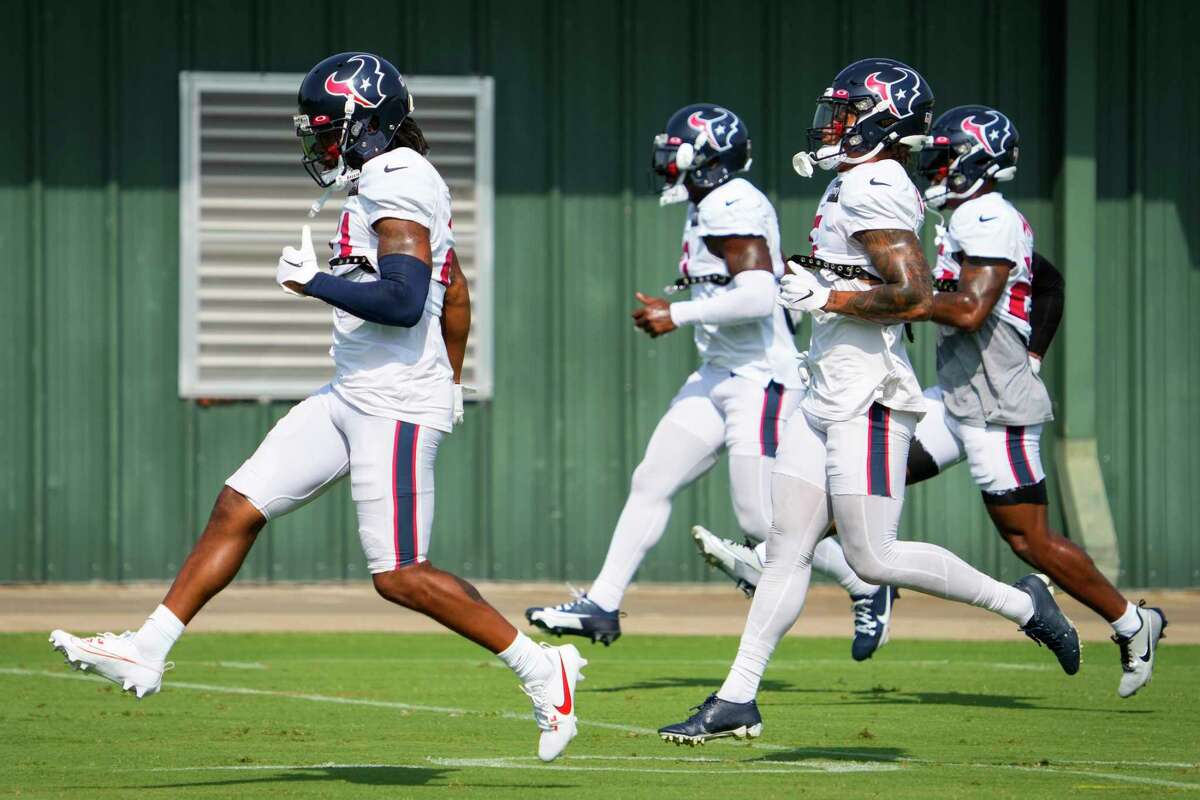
x=411, y=136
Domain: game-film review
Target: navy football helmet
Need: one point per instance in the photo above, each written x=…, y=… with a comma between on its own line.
x=351, y=105
x=872, y=104
x=704, y=145
x=966, y=146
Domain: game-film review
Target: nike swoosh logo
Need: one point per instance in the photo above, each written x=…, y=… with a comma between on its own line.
x=878, y=183
x=565, y=708
x=885, y=617
x=810, y=294
x=1146, y=656
x=986, y=219
x=290, y=263
x=394, y=169
x=731, y=202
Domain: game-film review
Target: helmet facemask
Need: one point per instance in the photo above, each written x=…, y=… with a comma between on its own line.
x=942, y=165
x=836, y=137
x=324, y=143
x=673, y=160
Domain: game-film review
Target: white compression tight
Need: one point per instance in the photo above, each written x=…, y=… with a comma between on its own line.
x=868, y=524
x=867, y=527
x=830, y=559
x=674, y=458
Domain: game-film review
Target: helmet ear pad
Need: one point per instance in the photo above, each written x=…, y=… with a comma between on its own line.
x=1006, y=174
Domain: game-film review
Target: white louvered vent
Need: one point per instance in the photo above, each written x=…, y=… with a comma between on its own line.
x=244, y=195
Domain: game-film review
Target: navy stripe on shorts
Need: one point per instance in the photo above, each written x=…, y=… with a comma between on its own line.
x=768, y=426
x=404, y=493
x=1015, y=441
x=879, y=478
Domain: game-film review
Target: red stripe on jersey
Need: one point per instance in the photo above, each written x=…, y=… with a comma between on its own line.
x=444, y=275
x=344, y=241
x=1016, y=300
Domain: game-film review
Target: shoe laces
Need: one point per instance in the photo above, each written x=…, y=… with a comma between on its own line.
x=1126, y=652
x=577, y=596
x=543, y=706
x=865, y=622
x=1124, y=644
x=711, y=700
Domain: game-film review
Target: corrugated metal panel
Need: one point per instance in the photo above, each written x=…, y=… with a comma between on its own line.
x=107, y=474
x=1149, y=290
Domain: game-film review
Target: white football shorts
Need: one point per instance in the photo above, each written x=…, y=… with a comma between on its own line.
x=1001, y=457
x=731, y=411
x=864, y=455
x=391, y=474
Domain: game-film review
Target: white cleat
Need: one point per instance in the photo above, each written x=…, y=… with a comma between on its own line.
x=1137, y=651
x=113, y=657
x=739, y=562
x=554, y=701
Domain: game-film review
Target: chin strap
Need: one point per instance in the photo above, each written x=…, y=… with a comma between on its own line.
x=341, y=182
x=676, y=193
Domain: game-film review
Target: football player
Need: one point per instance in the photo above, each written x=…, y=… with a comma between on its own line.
x=394, y=282
x=747, y=384
x=846, y=448
x=990, y=404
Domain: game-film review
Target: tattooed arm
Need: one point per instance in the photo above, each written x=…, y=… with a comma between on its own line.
x=906, y=294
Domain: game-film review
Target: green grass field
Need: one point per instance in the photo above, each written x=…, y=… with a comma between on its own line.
x=324, y=715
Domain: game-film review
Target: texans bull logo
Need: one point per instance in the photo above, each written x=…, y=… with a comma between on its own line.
x=899, y=93
x=992, y=130
x=720, y=128
x=364, y=84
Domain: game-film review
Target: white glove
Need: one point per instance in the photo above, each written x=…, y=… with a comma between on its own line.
x=1035, y=363
x=459, y=414
x=297, y=266
x=800, y=290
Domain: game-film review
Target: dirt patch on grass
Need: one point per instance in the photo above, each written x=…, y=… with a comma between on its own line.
x=650, y=608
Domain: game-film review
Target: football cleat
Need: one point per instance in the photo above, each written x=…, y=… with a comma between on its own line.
x=554, y=701
x=715, y=719
x=113, y=657
x=1137, y=651
x=578, y=617
x=740, y=562
x=1049, y=625
x=872, y=621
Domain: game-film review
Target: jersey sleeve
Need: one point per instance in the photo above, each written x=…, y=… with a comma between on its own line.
x=405, y=191
x=880, y=200
x=731, y=214
x=980, y=232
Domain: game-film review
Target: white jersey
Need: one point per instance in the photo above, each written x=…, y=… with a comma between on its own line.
x=991, y=227
x=852, y=362
x=762, y=350
x=384, y=370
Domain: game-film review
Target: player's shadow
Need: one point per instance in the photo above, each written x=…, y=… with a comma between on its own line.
x=881, y=754
x=676, y=682
x=361, y=775
x=891, y=696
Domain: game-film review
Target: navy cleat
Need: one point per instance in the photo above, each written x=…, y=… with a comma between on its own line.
x=872, y=621
x=715, y=719
x=1049, y=625
x=579, y=617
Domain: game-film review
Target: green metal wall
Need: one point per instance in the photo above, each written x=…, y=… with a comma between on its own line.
x=1148, y=304
x=106, y=474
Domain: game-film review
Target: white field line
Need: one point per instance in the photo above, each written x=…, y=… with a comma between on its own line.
x=239, y=690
